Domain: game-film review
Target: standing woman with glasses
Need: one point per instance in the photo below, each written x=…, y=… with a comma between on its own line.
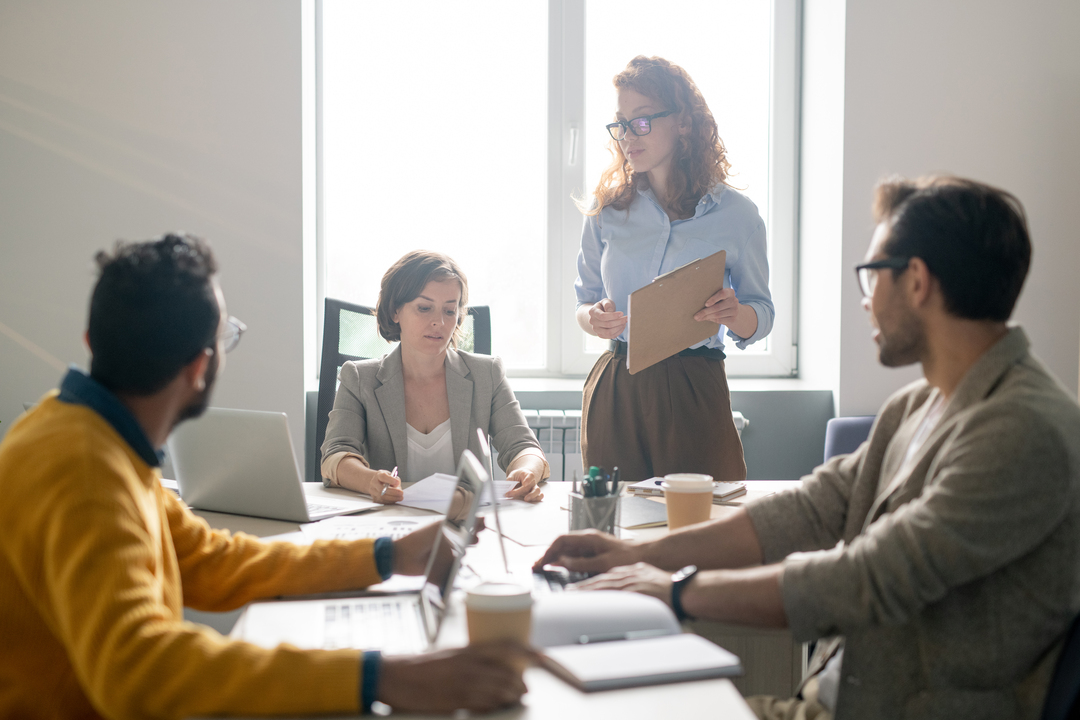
x=663, y=202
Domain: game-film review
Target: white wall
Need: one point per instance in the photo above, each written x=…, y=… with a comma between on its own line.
x=988, y=89
x=126, y=119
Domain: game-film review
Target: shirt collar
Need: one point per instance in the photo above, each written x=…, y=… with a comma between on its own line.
x=707, y=200
x=78, y=388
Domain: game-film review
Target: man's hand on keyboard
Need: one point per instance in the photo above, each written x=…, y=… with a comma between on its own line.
x=589, y=551
x=478, y=678
x=412, y=551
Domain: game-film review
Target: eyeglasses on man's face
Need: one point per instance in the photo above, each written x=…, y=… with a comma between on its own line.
x=638, y=126
x=868, y=272
x=230, y=336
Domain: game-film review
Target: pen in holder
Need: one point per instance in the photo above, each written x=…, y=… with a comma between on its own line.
x=600, y=513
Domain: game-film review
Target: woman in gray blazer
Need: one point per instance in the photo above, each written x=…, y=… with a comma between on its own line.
x=417, y=408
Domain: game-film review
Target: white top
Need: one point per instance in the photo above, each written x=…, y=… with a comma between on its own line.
x=431, y=453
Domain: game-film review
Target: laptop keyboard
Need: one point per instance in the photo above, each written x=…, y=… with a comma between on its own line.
x=555, y=579
x=361, y=532
x=390, y=624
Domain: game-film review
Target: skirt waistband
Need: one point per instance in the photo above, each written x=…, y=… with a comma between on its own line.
x=618, y=347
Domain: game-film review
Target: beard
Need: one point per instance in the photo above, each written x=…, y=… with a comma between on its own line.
x=202, y=401
x=905, y=343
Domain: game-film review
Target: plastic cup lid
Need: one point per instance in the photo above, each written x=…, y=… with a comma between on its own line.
x=687, y=483
x=499, y=597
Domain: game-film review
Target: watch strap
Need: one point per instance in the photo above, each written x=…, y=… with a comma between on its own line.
x=679, y=580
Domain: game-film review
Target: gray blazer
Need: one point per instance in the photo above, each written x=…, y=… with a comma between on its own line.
x=953, y=579
x=369, y=410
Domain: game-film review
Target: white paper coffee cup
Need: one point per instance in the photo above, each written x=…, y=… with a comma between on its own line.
x=689, y=498
x=499, y=611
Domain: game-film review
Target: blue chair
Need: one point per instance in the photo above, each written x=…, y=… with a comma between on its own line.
x=1065, y=685
x=844, y=435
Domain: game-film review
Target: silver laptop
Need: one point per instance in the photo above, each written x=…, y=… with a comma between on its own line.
x=405, y=623
x=242, y=462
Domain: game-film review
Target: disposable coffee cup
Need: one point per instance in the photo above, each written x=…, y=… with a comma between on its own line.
x=689, y=498
x=499, y=611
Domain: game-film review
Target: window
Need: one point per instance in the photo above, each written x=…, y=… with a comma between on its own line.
x=467, y=128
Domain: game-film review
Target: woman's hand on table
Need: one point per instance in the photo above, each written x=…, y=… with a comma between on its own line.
x=526, y=487
x=605, y=320
x=383, y=487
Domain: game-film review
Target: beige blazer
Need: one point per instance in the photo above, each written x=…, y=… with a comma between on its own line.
x=368, y=418
x=952, y=577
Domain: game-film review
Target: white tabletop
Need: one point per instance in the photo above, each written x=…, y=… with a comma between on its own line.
x=534, y=526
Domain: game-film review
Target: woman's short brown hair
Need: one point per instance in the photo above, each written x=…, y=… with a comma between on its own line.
x=404, y=282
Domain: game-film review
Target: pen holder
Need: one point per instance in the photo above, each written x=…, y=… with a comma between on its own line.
x=600, y=513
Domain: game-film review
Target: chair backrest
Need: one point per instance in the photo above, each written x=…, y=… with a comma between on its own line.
x=844, y=435
x=1064, y=687
x=351, y=332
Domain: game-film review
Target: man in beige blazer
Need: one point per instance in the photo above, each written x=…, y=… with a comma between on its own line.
x=938, y=565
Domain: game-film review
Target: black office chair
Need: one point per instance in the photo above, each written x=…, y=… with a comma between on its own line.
x=1061, y=697
x=351, y=332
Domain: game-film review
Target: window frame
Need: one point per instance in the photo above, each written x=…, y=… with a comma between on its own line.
x=565, y=354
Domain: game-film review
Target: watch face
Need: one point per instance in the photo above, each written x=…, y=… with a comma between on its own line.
x=684, y=573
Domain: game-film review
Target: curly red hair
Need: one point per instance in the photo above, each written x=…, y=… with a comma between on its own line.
x=700, y=158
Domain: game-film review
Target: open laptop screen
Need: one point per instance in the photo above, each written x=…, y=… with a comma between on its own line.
x=451, y=542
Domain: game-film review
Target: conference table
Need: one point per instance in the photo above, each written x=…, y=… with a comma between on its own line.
x=773, y=663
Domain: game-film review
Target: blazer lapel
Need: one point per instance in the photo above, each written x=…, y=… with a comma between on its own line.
x=391, y=397
x=459, y=394
x=976, y=386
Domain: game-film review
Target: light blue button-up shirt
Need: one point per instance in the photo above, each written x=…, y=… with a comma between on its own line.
x=624, y=250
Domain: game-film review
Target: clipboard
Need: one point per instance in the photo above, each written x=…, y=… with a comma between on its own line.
x=662, y=313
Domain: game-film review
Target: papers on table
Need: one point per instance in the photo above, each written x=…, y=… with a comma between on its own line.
x=639, y=512
x=531, y=525
x=722, y=491
x=434, y=493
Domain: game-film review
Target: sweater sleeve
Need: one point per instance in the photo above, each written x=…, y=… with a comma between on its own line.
x=220, y=571
x=107, y=585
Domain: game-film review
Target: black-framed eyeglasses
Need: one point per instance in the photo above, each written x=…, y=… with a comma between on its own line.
x=230, y=336
x=639, y=126
x=867, y=272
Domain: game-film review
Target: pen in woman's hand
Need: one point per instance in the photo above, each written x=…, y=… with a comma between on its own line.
x=393, y=473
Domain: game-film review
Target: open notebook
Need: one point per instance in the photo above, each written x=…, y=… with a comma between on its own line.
x=608, y=639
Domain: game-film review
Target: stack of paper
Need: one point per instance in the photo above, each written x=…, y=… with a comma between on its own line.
x=722, y=491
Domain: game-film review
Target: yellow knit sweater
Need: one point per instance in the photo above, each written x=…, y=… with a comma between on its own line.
x=96, y=564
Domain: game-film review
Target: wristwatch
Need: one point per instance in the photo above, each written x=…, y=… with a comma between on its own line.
x=679, y=580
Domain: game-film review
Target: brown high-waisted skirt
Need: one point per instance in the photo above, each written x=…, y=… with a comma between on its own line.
x=672, y=417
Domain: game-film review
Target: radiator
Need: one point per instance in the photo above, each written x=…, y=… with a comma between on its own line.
x=559, y=434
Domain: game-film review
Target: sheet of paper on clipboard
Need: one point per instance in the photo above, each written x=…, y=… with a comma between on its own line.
x=662, y=313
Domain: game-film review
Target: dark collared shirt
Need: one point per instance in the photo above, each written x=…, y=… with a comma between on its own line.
x=78, y=388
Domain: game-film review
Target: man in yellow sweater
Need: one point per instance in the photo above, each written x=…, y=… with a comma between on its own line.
x=97, y=561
